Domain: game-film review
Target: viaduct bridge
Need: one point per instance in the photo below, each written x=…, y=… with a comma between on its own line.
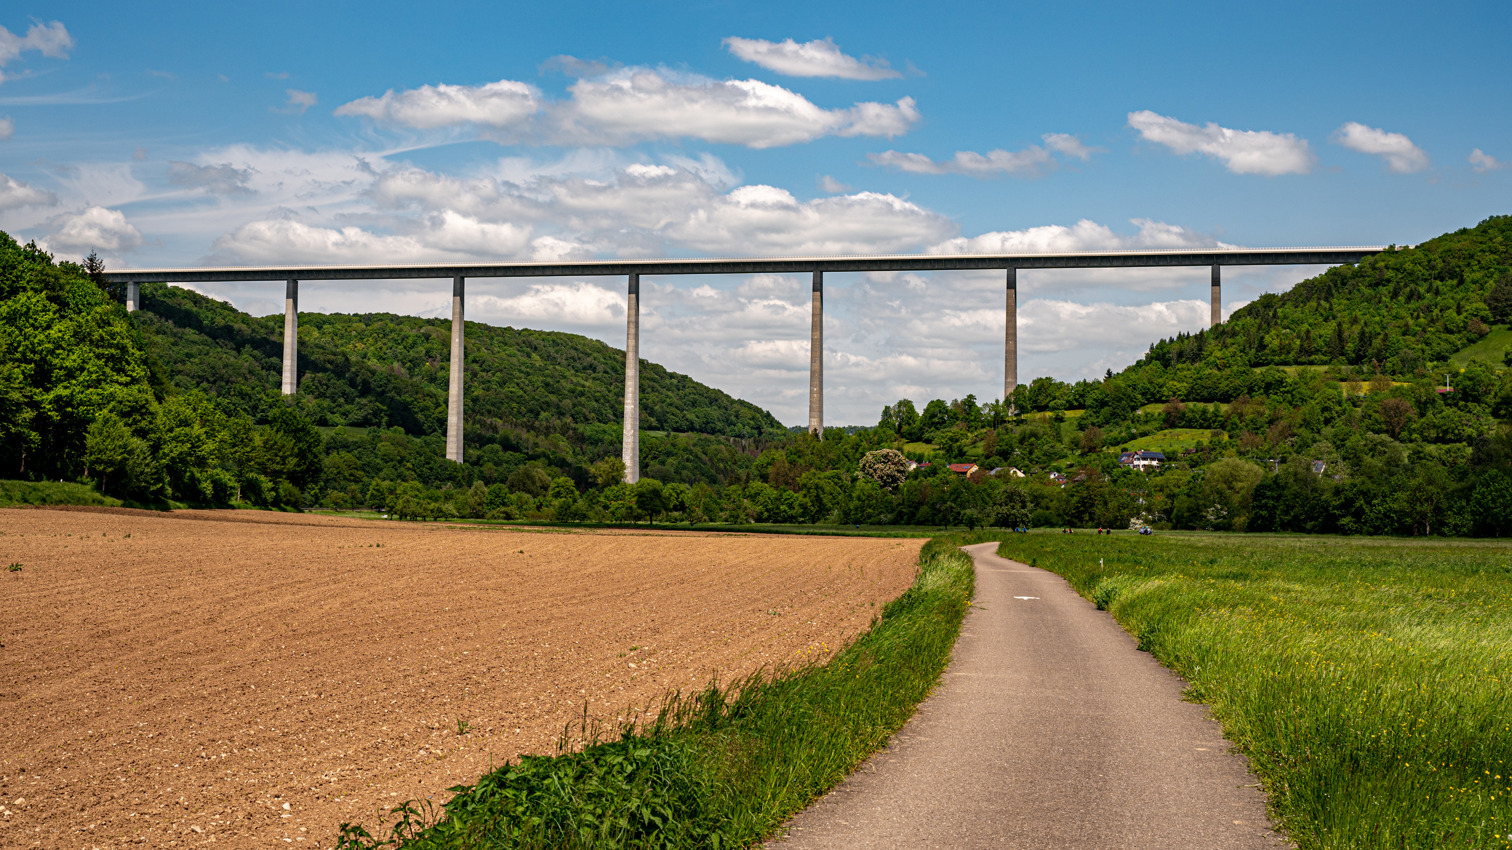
x=634, y=269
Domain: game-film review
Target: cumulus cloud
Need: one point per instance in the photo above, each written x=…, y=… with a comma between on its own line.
x=51, y=40
x=276, y=241
x=1401, y=155
x=1069, y=145
x=1241, y=151
x=1478, y=159
x=765, y=220
x=573, y=303
x=1033, y=161
x=94, y=229
x=15, y=194
x=443, y=237
x=639, y=104
x=219, y=179
x=630, y=105
x=7, y=127
x=499, y=104
x=1085, y=235
x=1054, y=325
x=819, y=58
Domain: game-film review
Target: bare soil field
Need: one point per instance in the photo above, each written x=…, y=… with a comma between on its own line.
x=250, y=679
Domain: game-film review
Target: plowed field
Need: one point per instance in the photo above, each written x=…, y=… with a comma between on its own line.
x=254, y=679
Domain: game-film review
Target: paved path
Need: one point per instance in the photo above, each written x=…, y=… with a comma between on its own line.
x=1049, y=730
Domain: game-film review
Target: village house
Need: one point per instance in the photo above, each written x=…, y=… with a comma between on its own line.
x=1141, y=460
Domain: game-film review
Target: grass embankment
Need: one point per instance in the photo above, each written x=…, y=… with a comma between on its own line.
x=14, y=493
x=1488, y=348
x=1368, y=680
x=720, y=768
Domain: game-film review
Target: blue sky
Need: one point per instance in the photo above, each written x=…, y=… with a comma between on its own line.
x=181, y=135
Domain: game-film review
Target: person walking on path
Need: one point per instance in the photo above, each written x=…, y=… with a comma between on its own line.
x=1050, y=729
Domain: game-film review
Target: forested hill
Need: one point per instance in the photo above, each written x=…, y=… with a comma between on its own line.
x=379, y=369
x=1391, y=313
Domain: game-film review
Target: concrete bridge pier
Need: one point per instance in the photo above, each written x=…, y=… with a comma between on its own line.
x=1010, y=339
x=454, y=384
x=133, y=296
x=816, y=360
x=631, y=446
x=291, y=338
x=1215, y=304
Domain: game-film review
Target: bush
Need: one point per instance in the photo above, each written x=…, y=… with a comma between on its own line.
x=257, y=490
x=289, y=496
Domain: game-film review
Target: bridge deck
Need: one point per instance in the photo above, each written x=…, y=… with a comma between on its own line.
x=772, y=265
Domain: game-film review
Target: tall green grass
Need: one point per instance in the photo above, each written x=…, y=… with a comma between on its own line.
x=1368, y=680
x=51, y=493
x=720, y=768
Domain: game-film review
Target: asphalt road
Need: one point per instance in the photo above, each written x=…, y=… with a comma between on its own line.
x=1050, y=729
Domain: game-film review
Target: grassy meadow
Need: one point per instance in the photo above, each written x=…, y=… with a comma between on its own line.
x=1488, y=348
x=1369, y=680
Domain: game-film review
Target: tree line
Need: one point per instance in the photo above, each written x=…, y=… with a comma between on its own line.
x=180, y=402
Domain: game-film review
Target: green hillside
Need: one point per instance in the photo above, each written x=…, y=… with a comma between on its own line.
x=1318, y=410
x=383, y=370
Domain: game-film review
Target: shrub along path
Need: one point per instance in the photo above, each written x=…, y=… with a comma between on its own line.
x=1050, y=729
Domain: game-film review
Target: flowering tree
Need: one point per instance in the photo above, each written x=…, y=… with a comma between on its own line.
x=887, y=467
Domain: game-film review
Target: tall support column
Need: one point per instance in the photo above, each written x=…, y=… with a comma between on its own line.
x=133, y=297
x=816, y=360
x=291, y=338
x=631, y=446
x=454, y=386
x=1215, y=310
x=1010, y=338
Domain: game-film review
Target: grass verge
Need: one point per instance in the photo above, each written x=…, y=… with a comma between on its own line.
x=1368, y=680
x=51, y=493
x=721, y=768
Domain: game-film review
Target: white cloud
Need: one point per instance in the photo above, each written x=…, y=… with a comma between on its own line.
x=499, y=104
x=1241, y=151
x=452, y=231
x=832, y=186
x=50, y=40
x=1032, y=161
x=94, y=229
x=637, y=104
x=15, y=194
x=278, y=241
x=1085, y=235
x=764, y=220
x=442, y=237
x=819, y=58
x=299, y=101
x=1401, y=155
x=7, y=127
x=1483, y=162
x=630, y=105
x=1069, y=145
x=1053, y=325
x=575, y=303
